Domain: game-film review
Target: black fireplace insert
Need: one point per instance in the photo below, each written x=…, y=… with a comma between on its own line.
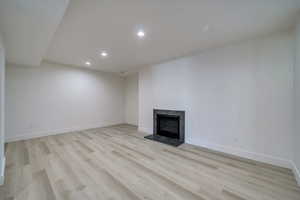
x=168, y=125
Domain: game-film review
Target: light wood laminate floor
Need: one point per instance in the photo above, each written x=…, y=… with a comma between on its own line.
x=118, y=163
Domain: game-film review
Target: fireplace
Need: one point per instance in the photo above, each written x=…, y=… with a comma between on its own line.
x=168, y=127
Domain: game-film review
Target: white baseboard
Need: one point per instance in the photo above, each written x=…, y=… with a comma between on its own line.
x=37, y=134
x=277, y=161
x=296, y=173
x=2, y=171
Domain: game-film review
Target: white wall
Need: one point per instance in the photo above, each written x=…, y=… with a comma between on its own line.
x=131, y=99
x=54, y=99
x=238, y=99
x=297, y=105
x=2, y=87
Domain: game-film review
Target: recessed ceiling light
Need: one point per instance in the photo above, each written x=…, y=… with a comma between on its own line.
x=205, y=28
x=104, y=54
x=88, y=63
x=141, y=33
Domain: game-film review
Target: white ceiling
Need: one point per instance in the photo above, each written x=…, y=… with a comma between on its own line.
x=173, y=28
x=28, y=26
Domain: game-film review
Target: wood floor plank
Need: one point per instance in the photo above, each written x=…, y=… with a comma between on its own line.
x=118, y=163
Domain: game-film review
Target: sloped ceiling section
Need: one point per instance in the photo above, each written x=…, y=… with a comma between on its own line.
x=28, y=27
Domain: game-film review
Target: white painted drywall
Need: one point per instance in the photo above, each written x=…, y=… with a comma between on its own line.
x=54, y=99
x=238, y=98
x=297, y=105
x=2, y=97
x=131, y=99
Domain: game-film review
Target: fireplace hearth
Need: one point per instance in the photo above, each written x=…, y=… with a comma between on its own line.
x=168, y=127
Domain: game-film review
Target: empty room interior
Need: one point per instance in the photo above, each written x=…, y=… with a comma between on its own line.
x=149, y=100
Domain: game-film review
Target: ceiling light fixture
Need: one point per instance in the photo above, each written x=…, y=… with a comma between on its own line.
x=205, y=28
x=141, y=33
x=87, y=63
x=104, y=54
